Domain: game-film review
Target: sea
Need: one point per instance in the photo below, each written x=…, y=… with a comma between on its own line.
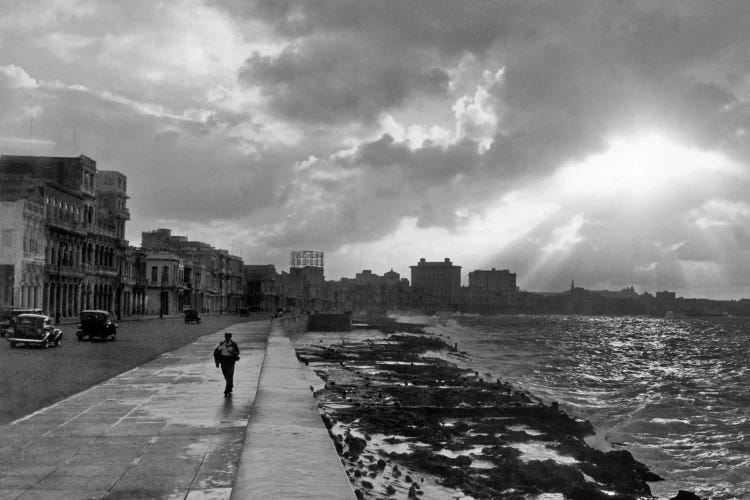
x=674, y=392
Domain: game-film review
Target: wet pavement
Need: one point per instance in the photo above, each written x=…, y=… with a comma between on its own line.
x=161, y=430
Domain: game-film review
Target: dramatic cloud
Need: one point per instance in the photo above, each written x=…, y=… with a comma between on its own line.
x=601, y=142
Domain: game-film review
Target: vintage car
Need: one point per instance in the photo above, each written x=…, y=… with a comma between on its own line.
x=8, y=318
x=192, y=316
x=96, y=324
x=34, y=329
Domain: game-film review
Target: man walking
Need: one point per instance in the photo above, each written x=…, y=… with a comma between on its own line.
x=225, y=355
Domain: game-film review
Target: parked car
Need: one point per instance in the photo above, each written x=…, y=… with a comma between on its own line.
x=96, y=324
x=8, y=318
x=192, y=316
x=34, y=329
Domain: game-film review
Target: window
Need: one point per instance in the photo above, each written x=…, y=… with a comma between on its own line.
x=154, y=273
x=165, y=273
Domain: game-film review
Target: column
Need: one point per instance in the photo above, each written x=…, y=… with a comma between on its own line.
x=45, y=300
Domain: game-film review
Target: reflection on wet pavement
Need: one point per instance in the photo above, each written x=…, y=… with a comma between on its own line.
x=161, y=430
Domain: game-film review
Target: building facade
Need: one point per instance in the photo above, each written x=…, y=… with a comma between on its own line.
x=66, y=242
x=493, y=281
x=262, y=292
x=436, y=284
x=212, y=278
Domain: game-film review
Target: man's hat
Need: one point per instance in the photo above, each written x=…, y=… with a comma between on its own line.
x=227, y=334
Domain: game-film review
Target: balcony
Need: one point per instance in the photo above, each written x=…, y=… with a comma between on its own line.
x=76, y=227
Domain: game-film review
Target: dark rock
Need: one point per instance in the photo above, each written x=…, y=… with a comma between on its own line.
x=686, y=495
x=413, y=491
x=367, y=484
x=327, y=421
x=356, y=445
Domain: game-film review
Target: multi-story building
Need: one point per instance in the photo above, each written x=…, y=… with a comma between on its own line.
x=436, y=284
x=166, y=277
x=493, y=281
x=262, y=292
x=234, y=288
x=306, y=284
x=66, y=242
x=212, y=279
x=22, y=253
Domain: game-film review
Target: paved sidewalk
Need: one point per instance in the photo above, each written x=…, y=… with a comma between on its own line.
x=288, y=453
x=161, y=430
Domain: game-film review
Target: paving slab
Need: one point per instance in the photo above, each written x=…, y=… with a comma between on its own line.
x=161, y=430
x=288, y=453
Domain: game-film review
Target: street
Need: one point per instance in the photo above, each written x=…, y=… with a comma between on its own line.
x=32, y=378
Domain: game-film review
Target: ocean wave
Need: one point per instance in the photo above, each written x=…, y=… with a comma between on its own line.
x=674, y=392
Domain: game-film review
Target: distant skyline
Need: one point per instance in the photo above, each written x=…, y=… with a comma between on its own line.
x=606, y=142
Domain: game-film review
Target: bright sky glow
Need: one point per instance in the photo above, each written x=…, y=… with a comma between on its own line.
x=643, y=169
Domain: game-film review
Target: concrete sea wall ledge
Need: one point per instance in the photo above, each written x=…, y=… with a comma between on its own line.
x=288, y=452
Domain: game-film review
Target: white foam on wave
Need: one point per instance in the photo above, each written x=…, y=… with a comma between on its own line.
x=524, y=428
x=538, y=450
x=669, y=421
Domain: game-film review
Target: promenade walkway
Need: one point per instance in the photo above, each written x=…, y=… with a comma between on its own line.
x=162, y=430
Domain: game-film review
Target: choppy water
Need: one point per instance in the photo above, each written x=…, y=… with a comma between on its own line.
x=675, y=392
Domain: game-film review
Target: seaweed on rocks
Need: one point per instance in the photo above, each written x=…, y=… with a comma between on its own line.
x=396, y=414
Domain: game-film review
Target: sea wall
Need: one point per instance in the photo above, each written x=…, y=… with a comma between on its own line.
x=294, y=325
x=330, y=322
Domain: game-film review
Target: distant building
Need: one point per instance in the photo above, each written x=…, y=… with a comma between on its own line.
x=261, y=290
x=493, y=281
x=367, y=278
x=436, y=284
x=491, y=292
x=306, y=290
x=392, y=278
x=212, y=280
x=165, y=283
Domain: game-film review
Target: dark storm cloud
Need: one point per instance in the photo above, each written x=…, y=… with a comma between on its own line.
x=452, y=27
x=574, y=72
x=340, y=78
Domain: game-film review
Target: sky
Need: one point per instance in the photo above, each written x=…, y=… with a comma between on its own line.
x=605, y=142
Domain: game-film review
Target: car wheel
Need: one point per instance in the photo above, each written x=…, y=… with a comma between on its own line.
x=58, y=341
x=79, y=337
x=13, y=344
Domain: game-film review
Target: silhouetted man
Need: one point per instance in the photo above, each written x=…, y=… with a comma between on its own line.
x=225, y=355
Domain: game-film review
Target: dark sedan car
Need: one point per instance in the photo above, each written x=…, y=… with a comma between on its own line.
x=96, y=324
x=8, y=318
x=192, y=316
x=34, y=329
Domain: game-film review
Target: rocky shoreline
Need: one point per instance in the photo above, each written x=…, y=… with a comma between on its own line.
x=409, y=423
